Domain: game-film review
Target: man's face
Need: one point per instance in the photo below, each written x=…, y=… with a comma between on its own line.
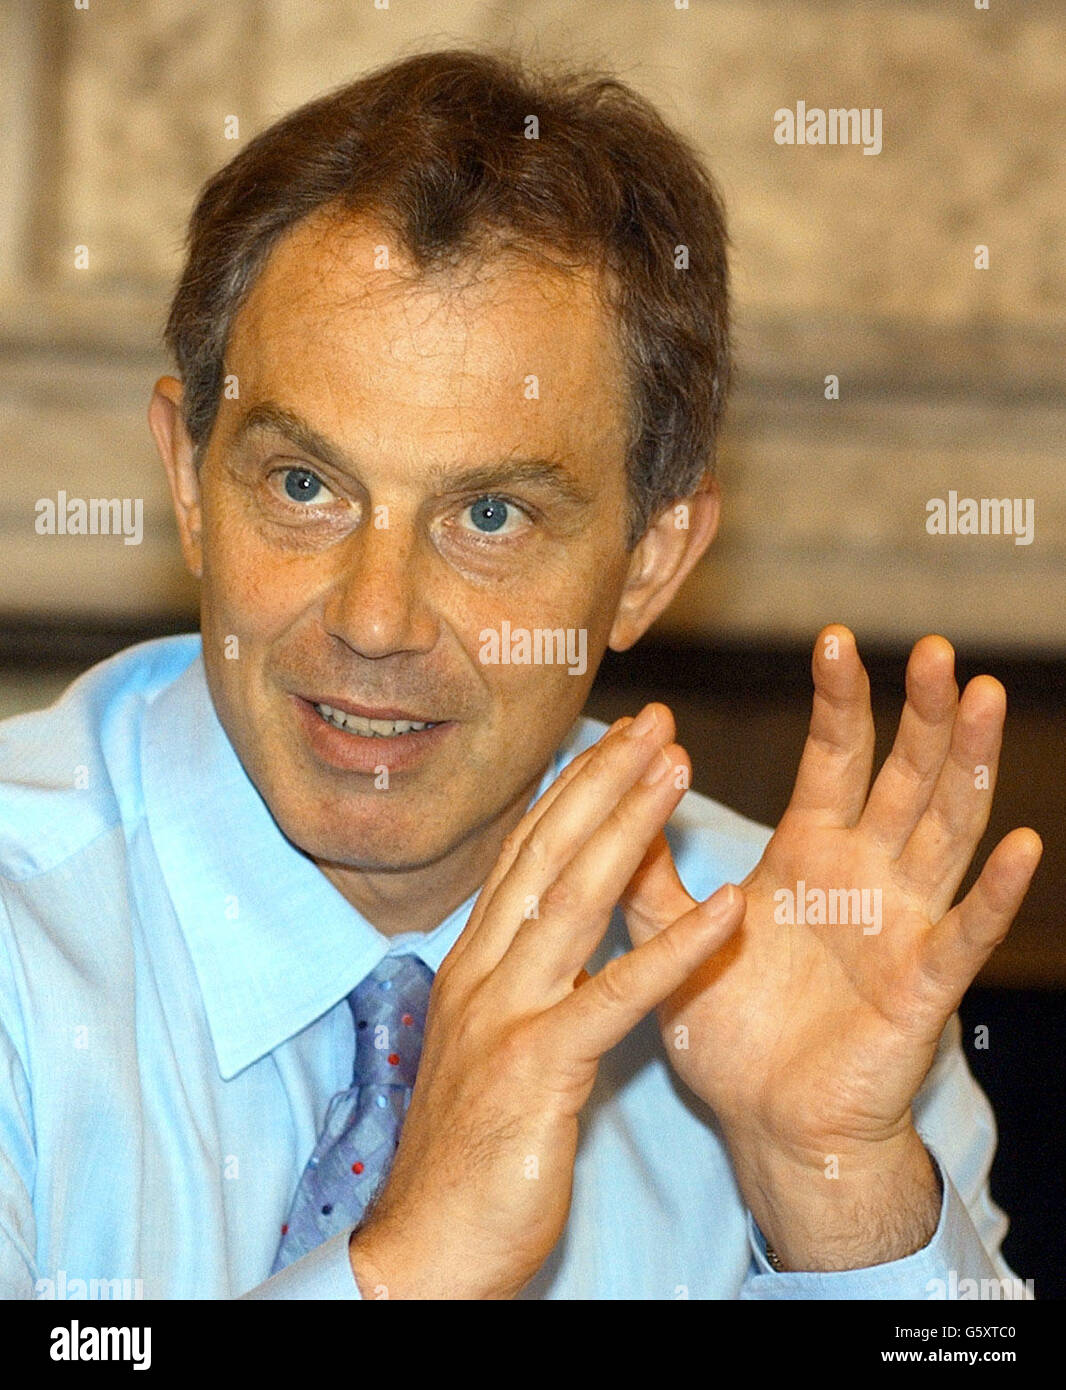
x=409, y=464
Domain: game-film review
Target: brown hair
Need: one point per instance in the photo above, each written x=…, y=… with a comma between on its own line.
x=436, y=145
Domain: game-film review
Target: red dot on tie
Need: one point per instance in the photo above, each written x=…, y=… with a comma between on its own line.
x=285, y=1229
x=394, y=1059
x=407, y=1020
x=357, y=1167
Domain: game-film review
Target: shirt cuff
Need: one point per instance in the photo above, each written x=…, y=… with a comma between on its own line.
x=323, y=1273
x=953, y=1254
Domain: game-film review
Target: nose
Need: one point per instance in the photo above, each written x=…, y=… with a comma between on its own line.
x=380, y=604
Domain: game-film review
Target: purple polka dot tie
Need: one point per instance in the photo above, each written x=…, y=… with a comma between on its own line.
x=362, y=1127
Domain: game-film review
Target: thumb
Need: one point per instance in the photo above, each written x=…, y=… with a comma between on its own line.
x=655, y=896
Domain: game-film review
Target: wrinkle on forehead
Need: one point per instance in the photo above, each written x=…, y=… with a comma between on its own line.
x=431, y=340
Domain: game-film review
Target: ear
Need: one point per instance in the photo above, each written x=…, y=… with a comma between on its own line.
x=661, y=561
x=176, y=450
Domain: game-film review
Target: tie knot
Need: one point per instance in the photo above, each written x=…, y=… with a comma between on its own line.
x=389, y=1008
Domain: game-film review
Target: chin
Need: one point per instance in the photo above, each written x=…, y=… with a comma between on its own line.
x=388, y=845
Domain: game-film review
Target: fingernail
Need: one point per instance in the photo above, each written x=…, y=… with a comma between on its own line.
x=643, y=724
x=723, y=906
x=660, y=766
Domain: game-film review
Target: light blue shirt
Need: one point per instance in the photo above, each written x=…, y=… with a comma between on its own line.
x=173, y=1024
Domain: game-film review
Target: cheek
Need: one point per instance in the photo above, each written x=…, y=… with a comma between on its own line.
x=513, y=636
x=537, y=659
x=558, y=585
x=246, y=584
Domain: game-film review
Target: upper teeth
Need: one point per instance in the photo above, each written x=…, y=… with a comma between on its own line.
x=369, y=728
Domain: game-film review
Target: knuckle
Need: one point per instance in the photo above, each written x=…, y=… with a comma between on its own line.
x=442, y=975
x=944, y=824
x=512, y=843
x=669, y=950
x=561, y=899
x=909, y=765
x=622, y=818
x=444, y=988
x=604, y=758
x=611, y=982
x=473, y=1026
x=533, y=851
x=515, y=1049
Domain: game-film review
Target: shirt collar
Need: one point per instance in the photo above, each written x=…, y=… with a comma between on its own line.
x=273, y=943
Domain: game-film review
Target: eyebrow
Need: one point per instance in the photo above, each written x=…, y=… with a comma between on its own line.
x=268, y=417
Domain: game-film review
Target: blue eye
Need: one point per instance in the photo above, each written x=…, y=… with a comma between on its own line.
x=489, y=513
x=302, y=485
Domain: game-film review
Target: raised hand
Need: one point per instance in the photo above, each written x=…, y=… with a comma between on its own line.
x=480, y=1188
x=809, y=1038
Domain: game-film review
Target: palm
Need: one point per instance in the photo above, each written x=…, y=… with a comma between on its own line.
x=825, y=1029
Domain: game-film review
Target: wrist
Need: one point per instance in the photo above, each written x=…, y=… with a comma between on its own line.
x=840, y=1206
x=391, y=1260
x=366, y=1270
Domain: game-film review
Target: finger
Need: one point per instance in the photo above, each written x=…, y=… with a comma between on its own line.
x=542, y=845
x=958, y=946
x=532, y=815
x=834, y=771
x=903, y=787
x=601, y=1012
x=655, y=895
x=573, y=908
x=939, y=850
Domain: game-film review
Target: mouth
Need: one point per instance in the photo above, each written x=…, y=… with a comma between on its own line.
x=371, y=727
x=354, y=738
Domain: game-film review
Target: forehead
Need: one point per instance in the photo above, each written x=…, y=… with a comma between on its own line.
x=341, y=321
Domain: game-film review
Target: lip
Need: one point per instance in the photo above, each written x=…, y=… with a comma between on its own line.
x=365, y=711
x=357, y=753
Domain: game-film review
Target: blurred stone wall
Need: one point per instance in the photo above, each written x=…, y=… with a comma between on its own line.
x=951, y=377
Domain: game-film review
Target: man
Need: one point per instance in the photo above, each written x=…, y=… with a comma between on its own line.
x=446, y=415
